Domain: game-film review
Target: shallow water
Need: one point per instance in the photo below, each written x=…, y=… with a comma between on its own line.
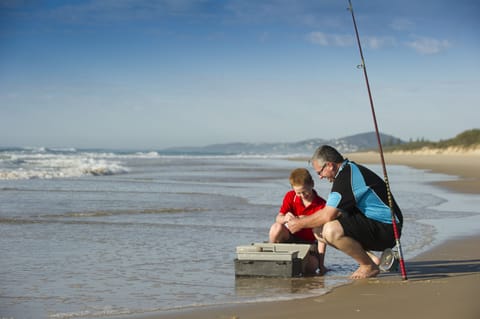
x=156, y=233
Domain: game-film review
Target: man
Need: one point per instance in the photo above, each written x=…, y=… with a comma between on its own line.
x=357, y=216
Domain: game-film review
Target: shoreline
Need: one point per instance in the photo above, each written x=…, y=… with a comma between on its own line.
x=440, y=285
x=442, y=282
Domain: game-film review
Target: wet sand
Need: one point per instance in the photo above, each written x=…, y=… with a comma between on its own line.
x=442, y=283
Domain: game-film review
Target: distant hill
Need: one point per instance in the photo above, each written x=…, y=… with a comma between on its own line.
x=353, y=143
x=465, y=140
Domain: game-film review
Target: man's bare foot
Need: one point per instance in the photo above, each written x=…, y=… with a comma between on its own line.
x=373, y=257
x=365, y=271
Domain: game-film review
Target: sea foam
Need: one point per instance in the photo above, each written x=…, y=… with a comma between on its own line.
x=47, y=164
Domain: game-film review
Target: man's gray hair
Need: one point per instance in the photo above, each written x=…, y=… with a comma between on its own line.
x=326, y=153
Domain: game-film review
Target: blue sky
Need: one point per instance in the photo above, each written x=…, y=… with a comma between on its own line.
x=155, y=74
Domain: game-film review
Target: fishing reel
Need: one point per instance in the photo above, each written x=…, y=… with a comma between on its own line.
x=390, y=260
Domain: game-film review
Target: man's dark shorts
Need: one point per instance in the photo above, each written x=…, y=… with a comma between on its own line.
x=372, y=235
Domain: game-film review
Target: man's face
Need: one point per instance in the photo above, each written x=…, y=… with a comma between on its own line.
x=324, y=170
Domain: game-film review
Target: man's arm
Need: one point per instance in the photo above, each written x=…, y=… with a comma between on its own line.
x=317, y=219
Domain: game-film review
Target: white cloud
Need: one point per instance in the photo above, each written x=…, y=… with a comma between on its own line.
x=338, y=40
x=324, y=39
x=427, y=46
x=379, y=42
x=342, y=40
x=318, y=38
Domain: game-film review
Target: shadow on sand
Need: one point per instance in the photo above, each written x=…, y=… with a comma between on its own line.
x=434, y=269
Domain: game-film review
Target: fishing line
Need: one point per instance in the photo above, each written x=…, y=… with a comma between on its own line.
x=389, y=194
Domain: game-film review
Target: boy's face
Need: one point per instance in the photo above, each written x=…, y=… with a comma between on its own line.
x=303, y=191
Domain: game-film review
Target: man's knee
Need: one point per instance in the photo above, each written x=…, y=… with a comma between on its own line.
x=332, y=231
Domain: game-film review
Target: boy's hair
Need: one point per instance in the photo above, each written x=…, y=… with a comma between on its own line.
x=300, y=177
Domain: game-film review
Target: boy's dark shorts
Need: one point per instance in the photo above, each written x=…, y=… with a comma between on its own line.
x=371, y=234
x=296, y=240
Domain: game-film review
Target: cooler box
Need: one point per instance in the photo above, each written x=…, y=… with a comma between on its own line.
x=271, y=260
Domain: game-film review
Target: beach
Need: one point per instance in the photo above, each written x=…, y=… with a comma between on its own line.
x=442, y=282
x=88, y=234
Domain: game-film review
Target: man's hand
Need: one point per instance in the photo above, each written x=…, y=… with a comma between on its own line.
x=294, y=225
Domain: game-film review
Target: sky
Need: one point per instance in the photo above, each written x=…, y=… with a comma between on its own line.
x=144, y=74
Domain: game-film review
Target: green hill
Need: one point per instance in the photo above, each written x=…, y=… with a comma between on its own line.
x=467, y=140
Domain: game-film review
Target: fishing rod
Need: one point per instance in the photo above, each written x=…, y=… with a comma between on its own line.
x=389, y=193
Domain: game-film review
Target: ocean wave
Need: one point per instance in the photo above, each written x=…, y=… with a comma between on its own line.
x=78, y=217
x=147, y=154
x=107, y=153
x=103, y=213
x=106, y=312
x=50, y=163
x=63, y=149
x=62, y=166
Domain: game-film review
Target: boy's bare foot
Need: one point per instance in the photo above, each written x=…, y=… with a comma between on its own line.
x=365, y=271
x=322, y=270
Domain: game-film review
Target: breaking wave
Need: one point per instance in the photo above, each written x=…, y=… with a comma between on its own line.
x=31, y=163
x=50, y=163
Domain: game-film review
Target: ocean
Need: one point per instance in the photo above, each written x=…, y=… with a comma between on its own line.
x=101, y=233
